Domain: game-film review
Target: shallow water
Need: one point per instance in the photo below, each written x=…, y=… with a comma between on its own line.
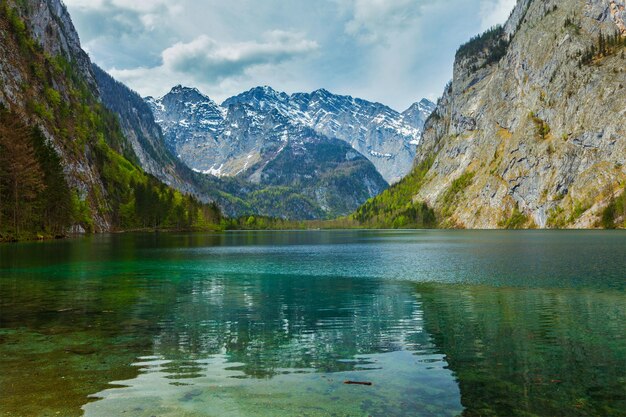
x=273, y=324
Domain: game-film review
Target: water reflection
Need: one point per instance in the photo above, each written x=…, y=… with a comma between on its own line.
x=301, y=337
x=289, y=322
x=531, y=352
x=273, y=324
x=513, y=352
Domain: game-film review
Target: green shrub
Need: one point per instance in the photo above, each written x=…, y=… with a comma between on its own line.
x=41, y=110
x=542, y=129
x=53, y=97
x=556, y=219
x=517, y=220
x=81, y=213
x=613, y=211
x=451, y=196
x=385, y=210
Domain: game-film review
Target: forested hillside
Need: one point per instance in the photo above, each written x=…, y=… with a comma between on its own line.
x=65, y=163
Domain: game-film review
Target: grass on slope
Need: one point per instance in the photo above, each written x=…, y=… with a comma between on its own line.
x=395, y=208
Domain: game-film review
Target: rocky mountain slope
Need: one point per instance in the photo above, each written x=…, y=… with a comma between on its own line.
x=308, y=178
x=137, y=123
x=77, y=168
x=531, y=132
x=229, y=139
x=285, y=168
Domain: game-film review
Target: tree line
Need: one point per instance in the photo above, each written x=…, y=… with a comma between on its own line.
x=605, y=45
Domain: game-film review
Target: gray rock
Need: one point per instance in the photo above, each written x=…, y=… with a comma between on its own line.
x=488, y=119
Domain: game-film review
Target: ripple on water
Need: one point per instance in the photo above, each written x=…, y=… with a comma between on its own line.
x=526, y=323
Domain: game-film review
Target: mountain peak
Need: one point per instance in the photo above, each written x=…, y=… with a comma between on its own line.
x=190, y=92
x=177, y=89
x=326, y=95
x=260, y=97
x=259, y=91
x=265, y=89
x=422, y=106
x=427, y=103
x=322, y=92
x=418, y=113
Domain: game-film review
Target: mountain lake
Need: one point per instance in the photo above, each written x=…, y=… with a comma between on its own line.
x=436, y=323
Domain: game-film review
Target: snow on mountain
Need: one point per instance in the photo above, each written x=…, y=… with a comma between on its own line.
x=231, y=138
x=184, y=114
x=417, y=114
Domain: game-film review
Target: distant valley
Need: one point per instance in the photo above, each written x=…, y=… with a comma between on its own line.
x=266, y=153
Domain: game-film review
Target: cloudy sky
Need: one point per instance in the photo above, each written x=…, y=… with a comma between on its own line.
x=391, y=51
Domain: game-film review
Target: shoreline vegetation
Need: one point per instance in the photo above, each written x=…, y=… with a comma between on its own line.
x=154, y=208
x=260, y=223
x=245, y=223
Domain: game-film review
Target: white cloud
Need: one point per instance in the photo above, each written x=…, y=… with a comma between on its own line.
x=214, y=60
x=135, y=5
x=374, y=20
x=207, y=63
x=148, y=12
x=494, y=12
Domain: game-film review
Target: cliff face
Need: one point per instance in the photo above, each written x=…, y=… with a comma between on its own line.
x=38, y=45
x=51, y=25
x=532, y=129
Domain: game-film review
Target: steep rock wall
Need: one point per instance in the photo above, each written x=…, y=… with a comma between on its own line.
x=541, y=131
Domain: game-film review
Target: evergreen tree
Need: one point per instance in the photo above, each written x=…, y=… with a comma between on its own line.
x=601, y=44
x=56, y=201
x=22, y=176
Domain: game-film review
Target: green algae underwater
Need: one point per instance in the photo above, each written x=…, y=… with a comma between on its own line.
x=274, y=323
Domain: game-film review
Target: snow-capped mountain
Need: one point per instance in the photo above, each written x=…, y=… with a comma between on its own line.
x=232, y=138
x=384, y=136
x=418, y=113
x=261, y=141
x=185, y=114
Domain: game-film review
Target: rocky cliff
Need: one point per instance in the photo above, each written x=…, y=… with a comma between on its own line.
x=531, y=132
x=39, y=49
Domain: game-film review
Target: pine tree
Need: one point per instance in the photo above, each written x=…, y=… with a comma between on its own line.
x=3, y=174
x=601, y=44
x=56, y=202
x=22, y=176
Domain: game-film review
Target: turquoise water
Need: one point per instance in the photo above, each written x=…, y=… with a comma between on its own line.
x=273, y=324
